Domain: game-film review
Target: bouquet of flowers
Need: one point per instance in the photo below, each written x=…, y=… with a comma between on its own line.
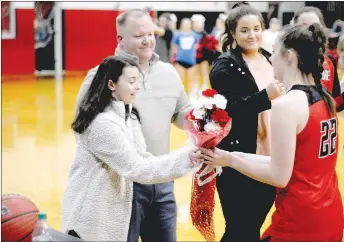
x=207, y=124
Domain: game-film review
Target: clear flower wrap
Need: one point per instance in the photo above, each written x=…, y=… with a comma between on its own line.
x=206, y=125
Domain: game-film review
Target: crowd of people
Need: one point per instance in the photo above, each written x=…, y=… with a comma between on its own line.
x=282, y=149
x=193, y=56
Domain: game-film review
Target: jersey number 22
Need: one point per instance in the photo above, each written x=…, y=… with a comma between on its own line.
x=328, y=142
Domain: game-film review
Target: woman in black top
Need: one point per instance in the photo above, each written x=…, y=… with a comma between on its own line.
x=243, y=74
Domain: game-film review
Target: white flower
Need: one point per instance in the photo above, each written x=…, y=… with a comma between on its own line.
x=220, y=101
x=198, y=105
x=206, y=102
x=211, y=126
x=198, y=113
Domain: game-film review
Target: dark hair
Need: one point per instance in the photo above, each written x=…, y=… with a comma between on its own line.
x=238, y=11
x=309, y=9
x=309, y=42
x=99, y=96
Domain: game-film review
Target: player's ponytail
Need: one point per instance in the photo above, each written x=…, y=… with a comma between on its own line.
x=319, y=40
x=309, y=43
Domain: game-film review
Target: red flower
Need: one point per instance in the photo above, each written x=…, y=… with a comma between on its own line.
x=209, y=93
x=190, y=116
x=220, y=116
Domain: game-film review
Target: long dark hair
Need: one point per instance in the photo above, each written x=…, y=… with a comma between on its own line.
x=309, y=42
x=99, y=95
x=238, y=11
x=309, y=9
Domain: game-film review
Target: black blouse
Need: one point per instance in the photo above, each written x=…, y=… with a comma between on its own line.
x=231, y=77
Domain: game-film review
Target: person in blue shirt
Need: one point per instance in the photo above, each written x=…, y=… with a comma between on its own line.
x=185, y=42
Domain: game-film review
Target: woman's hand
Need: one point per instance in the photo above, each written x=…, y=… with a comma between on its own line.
x=216, y=157
x=275, y=89
x=196, y=156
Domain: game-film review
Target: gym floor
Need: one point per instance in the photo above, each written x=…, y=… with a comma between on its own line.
x=38, y=148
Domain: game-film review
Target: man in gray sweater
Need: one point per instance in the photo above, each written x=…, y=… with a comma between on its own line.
x=162, y=100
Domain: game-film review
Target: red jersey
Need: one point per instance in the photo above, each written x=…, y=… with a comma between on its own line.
x=310, y=206
x=328, y=74
x=330, y=81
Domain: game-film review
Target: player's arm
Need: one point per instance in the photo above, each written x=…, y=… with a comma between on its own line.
x=276, y=169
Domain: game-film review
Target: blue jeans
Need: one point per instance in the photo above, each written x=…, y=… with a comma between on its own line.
x=154, y=213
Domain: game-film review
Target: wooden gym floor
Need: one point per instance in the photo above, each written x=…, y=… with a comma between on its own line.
x=38, y=147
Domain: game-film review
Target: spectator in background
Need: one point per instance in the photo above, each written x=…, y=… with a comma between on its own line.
x=185, y=42
x=340, y=50
x=163, y=38
x=270, y=34
x=218, y=30
x=173, y=22
x=206, y=52
x=338, y=24
x=333, y=39
x=202, y=67
x=340, y=107
x=173, y=27
x=219, y=27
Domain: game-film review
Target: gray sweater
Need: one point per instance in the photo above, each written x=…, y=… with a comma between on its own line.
x=110, y=156
x=161, y=100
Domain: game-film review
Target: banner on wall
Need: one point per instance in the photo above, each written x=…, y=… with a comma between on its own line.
x=44, y=38
x=8, y=20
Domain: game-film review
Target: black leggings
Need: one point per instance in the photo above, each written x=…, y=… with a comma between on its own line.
x=245, y=205
x=185, y=65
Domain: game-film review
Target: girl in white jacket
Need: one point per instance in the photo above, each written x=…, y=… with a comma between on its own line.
x=111, y=155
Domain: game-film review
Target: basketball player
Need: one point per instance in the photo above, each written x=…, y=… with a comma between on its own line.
x=304, y=144
x=309, y=15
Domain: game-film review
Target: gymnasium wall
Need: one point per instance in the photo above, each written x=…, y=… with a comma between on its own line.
x=89, y=32
x=18, y=55
x=89, y=36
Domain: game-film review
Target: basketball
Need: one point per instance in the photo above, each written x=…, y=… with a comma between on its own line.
x=18, y=218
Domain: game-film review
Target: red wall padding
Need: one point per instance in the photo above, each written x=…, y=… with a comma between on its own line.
x=90, y=36
x=18, y=55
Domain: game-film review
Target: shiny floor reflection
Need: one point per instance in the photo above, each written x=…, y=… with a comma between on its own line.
x=38, y=148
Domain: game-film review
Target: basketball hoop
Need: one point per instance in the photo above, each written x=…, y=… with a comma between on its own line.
x=8, y=23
